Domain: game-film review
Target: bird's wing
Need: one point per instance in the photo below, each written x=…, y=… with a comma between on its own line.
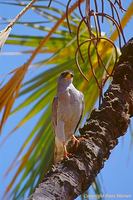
x=58, y=125
x=54, y=112
x=80, y=117
x=59, y=132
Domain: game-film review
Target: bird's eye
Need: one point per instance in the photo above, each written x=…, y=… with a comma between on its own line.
x=64, y=74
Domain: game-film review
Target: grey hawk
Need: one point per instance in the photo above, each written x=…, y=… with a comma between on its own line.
x=67, y=111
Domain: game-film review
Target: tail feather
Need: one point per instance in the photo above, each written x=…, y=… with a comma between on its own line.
x=59, y=150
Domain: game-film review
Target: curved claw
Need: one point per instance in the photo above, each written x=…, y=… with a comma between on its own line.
x=66, y=154
x=75, y=141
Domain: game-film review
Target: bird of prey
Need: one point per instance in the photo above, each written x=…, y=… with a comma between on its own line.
x=67, y=111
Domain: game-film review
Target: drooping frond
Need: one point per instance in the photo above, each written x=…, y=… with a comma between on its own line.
x=93, y=19
x=5, y=33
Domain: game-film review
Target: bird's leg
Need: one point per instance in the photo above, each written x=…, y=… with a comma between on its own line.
x=75, y=140
x=65, y=150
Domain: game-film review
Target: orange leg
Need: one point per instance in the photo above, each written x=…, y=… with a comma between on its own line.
x=65, y=150
x=75, y=140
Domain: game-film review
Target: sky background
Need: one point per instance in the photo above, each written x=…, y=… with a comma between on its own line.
x=116, y=177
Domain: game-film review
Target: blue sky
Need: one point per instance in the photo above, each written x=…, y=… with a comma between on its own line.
x=116, y=177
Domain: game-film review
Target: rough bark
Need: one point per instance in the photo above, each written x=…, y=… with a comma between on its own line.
x=100, y=135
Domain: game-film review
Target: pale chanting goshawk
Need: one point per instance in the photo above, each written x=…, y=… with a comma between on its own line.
x=67, y=111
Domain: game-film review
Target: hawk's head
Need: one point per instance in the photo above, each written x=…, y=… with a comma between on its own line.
x=66, y=75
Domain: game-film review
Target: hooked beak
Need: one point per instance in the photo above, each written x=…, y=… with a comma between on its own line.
x=69, y=76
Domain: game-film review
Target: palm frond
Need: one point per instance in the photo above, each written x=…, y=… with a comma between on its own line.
x=3, y=36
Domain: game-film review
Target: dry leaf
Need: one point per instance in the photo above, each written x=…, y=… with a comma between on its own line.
x=4, y=35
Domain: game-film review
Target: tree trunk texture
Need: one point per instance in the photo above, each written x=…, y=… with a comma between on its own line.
x=99, y=136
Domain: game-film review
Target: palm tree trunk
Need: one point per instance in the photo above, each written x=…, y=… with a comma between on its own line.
x=72, y=177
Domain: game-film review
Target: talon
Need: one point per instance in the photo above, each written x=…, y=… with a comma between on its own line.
x=75, y=140
x=66, y=154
